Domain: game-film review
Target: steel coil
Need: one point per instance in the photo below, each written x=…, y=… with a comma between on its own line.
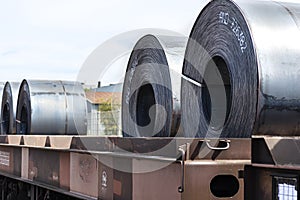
x=77, y=107
x=9, y=107
x=51, y=107
x=151, y=90
x=254, y=47
x=1, y=92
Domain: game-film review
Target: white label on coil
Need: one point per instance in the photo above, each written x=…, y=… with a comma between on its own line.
x=226, y=19
x=4, y=158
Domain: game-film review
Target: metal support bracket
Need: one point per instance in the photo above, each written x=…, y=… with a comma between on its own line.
x=218, y=148
x=182, y=149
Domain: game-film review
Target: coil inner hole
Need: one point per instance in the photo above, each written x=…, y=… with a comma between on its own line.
x=212, y=92
x=145, y=100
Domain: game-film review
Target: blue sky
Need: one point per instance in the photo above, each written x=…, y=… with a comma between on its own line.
x=50, y=39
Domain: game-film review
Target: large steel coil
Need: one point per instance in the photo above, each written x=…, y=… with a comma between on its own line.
x=51, y=107
x=254, y=49
x=9, y=107
x=151, y=91
x=1, y=92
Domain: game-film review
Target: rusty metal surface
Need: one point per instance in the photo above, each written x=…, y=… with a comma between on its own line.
x=64, y=170
x=240, y=149
x=158, y=184
x=25, y=163
x=122, y=184
x=109, y=172
x=258, y=184
x=199, y=177
x=106, y=178
x=164, y=147
x=152, y=145
x=10, y=160
x=47, y=167
x=154, y=184
x=84, y=174
x=44, y=166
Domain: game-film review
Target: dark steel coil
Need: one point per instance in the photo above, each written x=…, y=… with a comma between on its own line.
x=151, y=90
x=51, y=107
x=254, y=46
x=9, y=107
x=1, y=92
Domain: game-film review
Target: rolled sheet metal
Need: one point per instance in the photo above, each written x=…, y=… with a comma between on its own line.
x=1, y=92
x=254, y=47
x=9, y=107
x=51, y=107
x=151, y=90
x=76, y=107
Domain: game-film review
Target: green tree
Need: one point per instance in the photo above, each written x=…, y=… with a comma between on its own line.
x=107, y=117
